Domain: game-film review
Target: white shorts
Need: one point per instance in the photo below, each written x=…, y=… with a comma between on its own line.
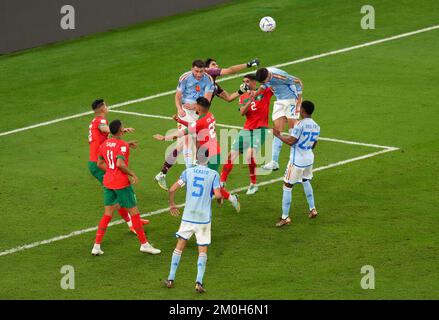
x=201, y=231
x=285, y=108
x=191, y=116
x=295, y=174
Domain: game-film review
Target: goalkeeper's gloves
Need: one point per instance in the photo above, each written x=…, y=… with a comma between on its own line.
x=243, y=88
x=253, y=63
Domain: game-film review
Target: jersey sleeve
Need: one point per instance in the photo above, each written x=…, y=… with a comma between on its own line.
x=181, y=85
x=101, y=153
x=102, y=122
x=210, y=86
x=122, y=151
x=214, y=72
x=297, y=131
x=268, y=93
x=183, y=178
x=216, y=181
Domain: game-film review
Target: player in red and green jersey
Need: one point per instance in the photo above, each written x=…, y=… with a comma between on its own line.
x=98, y=132
x=113, y=158
x=204, y=129
x=255, y=106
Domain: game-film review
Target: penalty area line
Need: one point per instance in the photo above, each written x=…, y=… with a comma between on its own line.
x=147, y=115
x=288, y=63
x=159, y=211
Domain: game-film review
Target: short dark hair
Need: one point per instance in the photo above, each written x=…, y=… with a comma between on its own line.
x=202, y=101
x=198, y=63
x=115, y=126
x=308, y=106
x=97, y=104
x=208, y=62
x=261, y=74
x=250, y=76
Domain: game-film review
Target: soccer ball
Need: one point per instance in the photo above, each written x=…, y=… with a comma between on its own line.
x=267, y=24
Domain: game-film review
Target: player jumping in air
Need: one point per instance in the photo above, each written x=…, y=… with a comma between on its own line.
x=204, y=129
x=303, y=140
x=214, y=70
x=193, y=84
x=288, y=92
x=113, y=158
x=201, y=182
x=98, y=132
x=255, y=108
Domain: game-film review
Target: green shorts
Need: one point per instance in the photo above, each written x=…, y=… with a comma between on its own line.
x=249, y=139
x=214, y=162
x=95, y=171
x=125, y=197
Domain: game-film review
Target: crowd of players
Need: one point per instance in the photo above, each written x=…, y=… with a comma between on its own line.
x=196, y=138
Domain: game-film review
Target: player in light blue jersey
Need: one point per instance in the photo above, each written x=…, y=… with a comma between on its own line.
x=201, y=183
x=303, y=140
x=191, y=85
x=286, y=109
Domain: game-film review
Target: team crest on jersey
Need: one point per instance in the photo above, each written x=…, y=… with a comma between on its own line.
x=198, y=88
x=123, y=149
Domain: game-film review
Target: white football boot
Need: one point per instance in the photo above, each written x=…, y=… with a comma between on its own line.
x=148, y=248
x=161, y=180
x=234, y=200
x=252, y=189
x=96, y=251
x=272, y=165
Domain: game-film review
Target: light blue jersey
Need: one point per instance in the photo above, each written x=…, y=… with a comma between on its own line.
x=283, y=85
x=307, y=132
x=200, y=182
x=192, y=88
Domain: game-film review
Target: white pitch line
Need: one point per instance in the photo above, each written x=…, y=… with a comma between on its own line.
x=146, y=115
x=79, y=232
x=314, y=57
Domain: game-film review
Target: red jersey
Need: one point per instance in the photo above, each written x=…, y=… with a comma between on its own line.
x=96, y=137
x=204, y=127
x=257, y=113
x=111, y=150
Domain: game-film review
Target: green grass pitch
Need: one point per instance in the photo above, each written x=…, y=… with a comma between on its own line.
x=381, y=211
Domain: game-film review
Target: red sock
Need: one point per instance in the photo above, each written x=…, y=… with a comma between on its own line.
x=252, y=169
x=225, y=193
x=138, y=227
x=124, y=214
x=102, y=227
x=226, y=170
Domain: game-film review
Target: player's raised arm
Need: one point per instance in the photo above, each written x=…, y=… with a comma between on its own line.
x=170, y=137
x=289, y=140
x=236, y=68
